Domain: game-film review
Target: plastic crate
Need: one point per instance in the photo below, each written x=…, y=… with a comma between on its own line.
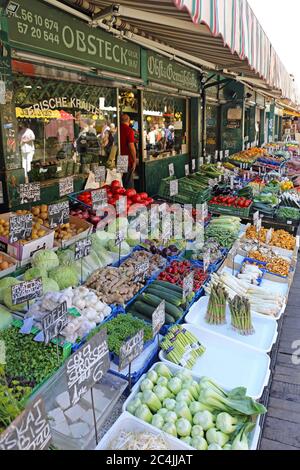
x=256, y=263
x=224, y=210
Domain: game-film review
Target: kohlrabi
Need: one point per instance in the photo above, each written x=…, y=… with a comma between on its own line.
x=197, y=431
x=226, y=423
x=205, y=419
x=213, y=436
x=143, y=413
x=151, y=400
x=183, y=427
x=158, y=421
x=199, y=443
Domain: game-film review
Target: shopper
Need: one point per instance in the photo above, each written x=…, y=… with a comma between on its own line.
x=128, y=148
x=26, y=140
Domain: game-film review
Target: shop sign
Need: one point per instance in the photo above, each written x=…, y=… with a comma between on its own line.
x=171, y=73
x=29, y=431
x=38, y=27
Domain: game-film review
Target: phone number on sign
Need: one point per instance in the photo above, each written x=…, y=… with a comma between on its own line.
x=38, y=27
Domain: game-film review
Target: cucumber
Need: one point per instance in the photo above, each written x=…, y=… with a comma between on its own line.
x=170, y=308
x=168, y=285
x=169, y=320
x=144, y=309
x=164, y=295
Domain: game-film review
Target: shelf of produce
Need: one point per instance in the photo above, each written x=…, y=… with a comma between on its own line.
x=265, y=328
x=229, y=362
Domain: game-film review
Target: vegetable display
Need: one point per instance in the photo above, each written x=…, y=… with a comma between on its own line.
x=138, y=441
x=231, y=201
x=182, y=347
x=224, y=230
x=288, y=213
x=280, y=238
x=200, y=414
x=178, y=270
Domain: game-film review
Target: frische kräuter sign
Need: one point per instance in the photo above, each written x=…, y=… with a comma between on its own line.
x=41, y=28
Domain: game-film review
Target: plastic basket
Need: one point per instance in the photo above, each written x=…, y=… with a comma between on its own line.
x=256, y=263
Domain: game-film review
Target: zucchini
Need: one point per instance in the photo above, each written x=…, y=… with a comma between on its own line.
x=144, y=309
x=169, y=319
x=170, y=308
x=164, y=295
x=168, y=285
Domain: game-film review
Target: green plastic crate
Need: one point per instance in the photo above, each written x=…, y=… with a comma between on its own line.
x=224, y=210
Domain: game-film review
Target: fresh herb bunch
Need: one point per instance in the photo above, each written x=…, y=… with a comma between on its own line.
x=27, y=361
x=9, y=406
x=123, y=327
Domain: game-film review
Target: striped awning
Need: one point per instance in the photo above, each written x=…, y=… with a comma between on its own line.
x=221, y=35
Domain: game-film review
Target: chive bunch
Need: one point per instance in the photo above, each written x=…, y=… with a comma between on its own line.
x=241, y=319
x=216, y=311
x=182, y=347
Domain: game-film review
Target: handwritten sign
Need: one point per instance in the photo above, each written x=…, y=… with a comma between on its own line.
x=55, y=322
x=188, y=285
x=87, y=366
x=26, y=291
x=204, y=211
x=100, y=174
x=206, y=260
x=171, y=170
x=131, y=349
x=159, y=318
x=255, y=217
x=66, y=186
x=173, y=188
x=120, y=236
x=258, y=225
x=201, y=161
x=141, y=271
x=59, y=214
x=122, y=164
x=121, y=206
x=83, y=248
x=30, y=193
x=99, y=199
x=20, y=227
x=221, y=155
x=30, y=431
x=166, y=226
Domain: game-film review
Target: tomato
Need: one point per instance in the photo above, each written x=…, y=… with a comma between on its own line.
x=137, y=199
x=120, y=191
x=150, y=200
x=131, y=192
x=116, y=184
x=144, y=195
x=109, y=194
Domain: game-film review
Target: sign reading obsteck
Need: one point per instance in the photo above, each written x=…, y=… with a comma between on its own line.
x=29, y=431
x=49, y=31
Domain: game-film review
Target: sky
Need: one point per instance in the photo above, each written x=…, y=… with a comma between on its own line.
x=281, y=21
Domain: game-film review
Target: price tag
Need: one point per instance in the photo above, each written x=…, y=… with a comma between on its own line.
x=258, y=225
x=86, y=367
x=59, y=214
x=131, y=349
x=121, y=206
x=232, y=179
x=159, y=318
x=187, y=170
x=216, y=155
x=66, y=186
x=83, y=248
x=255, y=217
x=208, y=159
x=166, y=227
x=193, y=165
x=173, y=188
x=99, y=199
x=54, y=323
x=122, y=164
x=171, y=170
x=206, y=260
x=201, y=161
x=220, y=179
x=227, y=153
x=100, y=174
x=120, y=237
x=188, y=285
x=204, y=211
x=211, y=183
x=289, y=222
x=20, y=227
x=269, y=236
x=30, y=193
x=221, y=155
x=26, y=291
x=141, y=271
x=29, y=431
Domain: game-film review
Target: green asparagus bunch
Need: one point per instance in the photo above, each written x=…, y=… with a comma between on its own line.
x=241, y=319
x=216, y=311
x=182, y=347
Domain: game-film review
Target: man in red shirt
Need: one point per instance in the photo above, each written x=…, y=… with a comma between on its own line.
x=128, y=148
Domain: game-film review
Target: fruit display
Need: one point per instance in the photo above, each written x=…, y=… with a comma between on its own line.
x=273, y=263
x=5, y=262
x=38, y=228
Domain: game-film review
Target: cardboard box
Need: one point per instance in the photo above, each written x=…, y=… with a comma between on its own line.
x=88, y=230
x=24, y=252
x=10, y=270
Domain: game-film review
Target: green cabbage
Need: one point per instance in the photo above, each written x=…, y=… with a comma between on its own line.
x=125, y=248
x=66, y=257
x=49, y=285
x=35, y=273
x=45, y=259
x=5, y=318
x=5, y=283
x=8, y=301
x=65, y=276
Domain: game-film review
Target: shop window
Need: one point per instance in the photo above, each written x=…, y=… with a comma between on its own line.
x=165, y=125
x=64, y=128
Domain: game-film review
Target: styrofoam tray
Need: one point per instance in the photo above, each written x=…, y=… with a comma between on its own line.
x=265, y=327
x=129, y=423
x=230, y=363
x=254, y=436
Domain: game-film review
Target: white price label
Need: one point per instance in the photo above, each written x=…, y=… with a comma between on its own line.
x=227, y=153
x=208, y=159
x=187, y=170
x=173, y=188
x=255, y=217
x=193, y=164
x=206, y=261
x=171, y=170
x=221, y=155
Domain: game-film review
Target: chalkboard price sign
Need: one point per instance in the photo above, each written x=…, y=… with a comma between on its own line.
x=188, y=285
x=99, y=199
x=86, y=367
x=30, y=193
x=83, y=248
x=26, y=291
x=100, y=174
x=141, y=271
x=55, y=322
x=59, y=214
x=131, y=349
x=20, y=227
x=122, y=164
x=159, y=318
x=66, y=186
x=30, y=431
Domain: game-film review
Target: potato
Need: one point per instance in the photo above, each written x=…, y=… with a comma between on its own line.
x=41, y=233
x=44, y=216
x=36, y=211
x=44, y=208
x=4, y=265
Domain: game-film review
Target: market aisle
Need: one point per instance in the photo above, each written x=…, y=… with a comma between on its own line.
x=281, y=430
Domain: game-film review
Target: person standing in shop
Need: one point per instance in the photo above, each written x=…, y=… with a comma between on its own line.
x=26, y=139
x=128, y=148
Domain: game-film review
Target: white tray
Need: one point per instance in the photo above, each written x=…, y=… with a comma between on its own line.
x=254, y=436
x=230, y=363
x=265, y=327
x=129, y=423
